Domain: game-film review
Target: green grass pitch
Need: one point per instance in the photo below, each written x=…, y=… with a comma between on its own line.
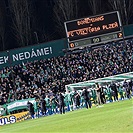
x=112, y=118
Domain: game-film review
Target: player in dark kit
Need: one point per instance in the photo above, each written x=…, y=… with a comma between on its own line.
x=31, y=109
x=127, y=88
x=131, y=86
x=77, y=99
x=87, y=98
x=102, y=95
x=42, y=105
x=61, y=103
x=114, y=91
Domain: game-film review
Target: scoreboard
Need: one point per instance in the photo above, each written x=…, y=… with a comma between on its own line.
x=93, y=30
x=96, y=40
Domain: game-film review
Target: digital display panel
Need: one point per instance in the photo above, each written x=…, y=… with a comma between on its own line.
x=92, y=26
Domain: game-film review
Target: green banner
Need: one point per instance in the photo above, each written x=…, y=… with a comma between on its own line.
x=18, y=104
x=31, y=53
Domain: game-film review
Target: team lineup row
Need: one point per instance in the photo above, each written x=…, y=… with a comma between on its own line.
x=76, y=99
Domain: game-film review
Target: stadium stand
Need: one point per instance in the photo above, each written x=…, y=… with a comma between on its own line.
x=48, y=76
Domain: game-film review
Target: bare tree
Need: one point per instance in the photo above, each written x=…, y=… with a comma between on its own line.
x=21, y=18
x=125, y=7
x=95, y=6
x=2, y=23
x=64, y=10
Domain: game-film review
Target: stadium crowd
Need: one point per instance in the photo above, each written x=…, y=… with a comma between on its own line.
x=49, y=76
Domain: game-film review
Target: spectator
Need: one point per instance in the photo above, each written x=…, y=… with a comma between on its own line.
x=38, y=78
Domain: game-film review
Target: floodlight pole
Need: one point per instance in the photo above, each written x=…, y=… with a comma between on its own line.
x=10, y=65
x=36, y=35
x=123, y=34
